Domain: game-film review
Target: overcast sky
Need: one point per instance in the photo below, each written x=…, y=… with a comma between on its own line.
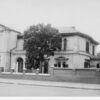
x=83, y=14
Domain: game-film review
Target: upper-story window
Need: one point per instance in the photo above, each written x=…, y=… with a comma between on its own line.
x=65, y=44
x=93, y=50
x=87, y=47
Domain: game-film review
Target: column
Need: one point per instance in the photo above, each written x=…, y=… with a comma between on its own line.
x=61, y=64
x=62, y=45
x=24, y=69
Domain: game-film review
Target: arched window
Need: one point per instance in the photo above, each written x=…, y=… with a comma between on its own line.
x=20, y=64
x=87, y=47
x=65, y=44
x=93, y=50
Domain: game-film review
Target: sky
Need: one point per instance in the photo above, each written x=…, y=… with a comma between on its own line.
x=84, y=15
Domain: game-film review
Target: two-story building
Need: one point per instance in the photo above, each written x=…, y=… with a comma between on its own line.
x=78, y=51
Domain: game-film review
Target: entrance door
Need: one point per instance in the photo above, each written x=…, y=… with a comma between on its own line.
x=20, y=64
x=46, y=67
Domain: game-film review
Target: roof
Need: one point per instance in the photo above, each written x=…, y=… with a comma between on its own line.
x=5, y=28
x=71, y=31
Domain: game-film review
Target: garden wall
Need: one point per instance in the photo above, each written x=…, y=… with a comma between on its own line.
x=77, y=75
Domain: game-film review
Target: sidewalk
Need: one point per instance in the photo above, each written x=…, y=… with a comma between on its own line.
x=52, y=84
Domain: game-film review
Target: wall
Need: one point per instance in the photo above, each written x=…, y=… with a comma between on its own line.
x=78, y=60
x=74, y=60
x=8, y=40
x=12, y=40
x=94, y=63
x=78, y=75
x=69, y=61
x=20, y=44
x=71, y=43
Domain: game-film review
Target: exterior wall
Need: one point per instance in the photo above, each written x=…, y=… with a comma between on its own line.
x=71, y=43
x=79, y=60
x=3, y=41
x=82, y=45
x=8, y=40
x=94, y=63
x=74, y=60
x=69, y=61
x=78, y=44
x=18, y=52
x=12, y=40
x=78, y=72
x=20, y=44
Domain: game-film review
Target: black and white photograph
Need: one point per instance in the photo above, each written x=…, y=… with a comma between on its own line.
x=49, y=48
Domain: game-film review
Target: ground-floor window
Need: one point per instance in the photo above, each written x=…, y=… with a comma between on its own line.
x=65, y=65
x=98, y=65
x=61, y=64
x=87, y=64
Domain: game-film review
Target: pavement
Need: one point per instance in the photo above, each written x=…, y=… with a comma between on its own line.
x=51, y=84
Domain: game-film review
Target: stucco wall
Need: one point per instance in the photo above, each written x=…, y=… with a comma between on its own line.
x=94, y=63
x=20, y=43
x=69, y=61
x=71, y=43
x=66, y=74
x=78, y=60
x=12, y=40
x=74, y=60
x=82, y=45
x=8, y=40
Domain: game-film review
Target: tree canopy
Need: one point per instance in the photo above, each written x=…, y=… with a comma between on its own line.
x=40, y=40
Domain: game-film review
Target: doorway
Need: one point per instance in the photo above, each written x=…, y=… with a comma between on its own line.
x=20, y=64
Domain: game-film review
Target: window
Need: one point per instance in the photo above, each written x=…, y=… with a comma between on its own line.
x=59, y=64
x=55, y=65
x=65, y=65
x=98, y=66
x=65, y=44
x=93, y=50
x=87, y=47
x=86, y=63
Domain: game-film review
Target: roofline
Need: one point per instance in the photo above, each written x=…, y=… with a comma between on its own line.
x=81, y=35
x=9, y=29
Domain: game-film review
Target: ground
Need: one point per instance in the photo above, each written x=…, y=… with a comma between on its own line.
x=32, y=90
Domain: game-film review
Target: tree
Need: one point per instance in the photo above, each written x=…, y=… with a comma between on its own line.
x=40, y=40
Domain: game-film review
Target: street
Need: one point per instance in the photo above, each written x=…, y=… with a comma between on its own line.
x=32, y=90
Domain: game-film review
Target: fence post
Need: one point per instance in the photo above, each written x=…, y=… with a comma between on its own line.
x=97, y=72
x=51, y=70
x=37, y=71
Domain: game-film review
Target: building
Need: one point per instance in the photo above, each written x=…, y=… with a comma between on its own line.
x=78, y=50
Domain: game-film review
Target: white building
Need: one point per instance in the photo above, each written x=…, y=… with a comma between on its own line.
x=78, y=50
